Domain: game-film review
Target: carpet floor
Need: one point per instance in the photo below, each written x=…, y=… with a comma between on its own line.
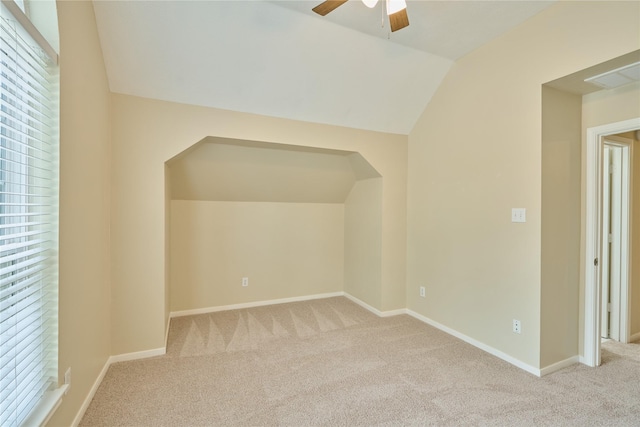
x=331, y=363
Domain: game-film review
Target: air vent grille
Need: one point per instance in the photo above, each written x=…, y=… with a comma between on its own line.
x=618, y=77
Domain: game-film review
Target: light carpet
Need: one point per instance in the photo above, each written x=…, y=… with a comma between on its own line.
x=331, y=363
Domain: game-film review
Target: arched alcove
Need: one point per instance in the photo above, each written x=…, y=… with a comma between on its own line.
x=296, y=221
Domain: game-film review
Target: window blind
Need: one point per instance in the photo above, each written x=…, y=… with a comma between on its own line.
x=28, y=224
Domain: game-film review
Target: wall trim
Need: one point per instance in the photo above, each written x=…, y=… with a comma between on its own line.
x=161, y=351
x=591, y=337
x=559, y=365
x=391, y=313
x=111, y=360
x=373, y=309
x=634, y=337
x=92, y=393
x=166, y=333
x=48, y=405
x=138, y=355
x=206, y=310
x=482, y=346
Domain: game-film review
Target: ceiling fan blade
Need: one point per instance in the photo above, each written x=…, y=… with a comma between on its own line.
x=328, y=6
x=399, y=20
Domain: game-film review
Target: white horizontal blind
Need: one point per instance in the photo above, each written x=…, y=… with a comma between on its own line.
x=28, y=224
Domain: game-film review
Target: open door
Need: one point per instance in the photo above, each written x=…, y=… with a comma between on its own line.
x=615, y=237
x=593, y=236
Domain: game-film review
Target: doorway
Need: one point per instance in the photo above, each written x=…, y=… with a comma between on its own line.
x=593, y=308
x=615, y=237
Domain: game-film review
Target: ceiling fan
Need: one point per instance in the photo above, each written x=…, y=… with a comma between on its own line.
x=396, y=10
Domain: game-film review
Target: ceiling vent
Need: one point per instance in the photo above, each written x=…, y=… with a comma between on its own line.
x=618, y=77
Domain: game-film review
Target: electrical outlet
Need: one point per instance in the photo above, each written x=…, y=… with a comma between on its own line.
x=423, y=292
x=517, y=328
x=245, y=281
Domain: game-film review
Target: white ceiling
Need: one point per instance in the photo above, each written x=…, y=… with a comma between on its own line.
x=450, y=28
x=277, y=58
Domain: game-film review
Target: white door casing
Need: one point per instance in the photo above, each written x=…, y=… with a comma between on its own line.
x=605, y=232
x=592, y=304
x=614, y=223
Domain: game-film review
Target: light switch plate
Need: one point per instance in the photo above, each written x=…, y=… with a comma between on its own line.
x=518, y=215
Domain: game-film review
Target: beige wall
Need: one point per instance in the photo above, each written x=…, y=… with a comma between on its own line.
x=476, y=153
x=147, y=133
x=251, y=171
x=285, y=249
x=363, y=241
x=467, y=171
x=560, y=262
x=84, y=300
x=611, y=106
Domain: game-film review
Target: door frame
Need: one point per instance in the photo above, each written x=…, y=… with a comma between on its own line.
x=619, y=314
x=592, y=297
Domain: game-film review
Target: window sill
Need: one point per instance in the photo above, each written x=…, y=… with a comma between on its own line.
x=46, y=408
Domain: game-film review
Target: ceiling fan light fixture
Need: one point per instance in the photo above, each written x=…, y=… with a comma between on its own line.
x=395, y=6
x=396, y=9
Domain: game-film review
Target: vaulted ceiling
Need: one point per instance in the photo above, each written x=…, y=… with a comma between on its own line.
x=277, y=58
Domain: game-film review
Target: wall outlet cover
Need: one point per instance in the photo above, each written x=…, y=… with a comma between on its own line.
x=517, y=327
x=518, y=215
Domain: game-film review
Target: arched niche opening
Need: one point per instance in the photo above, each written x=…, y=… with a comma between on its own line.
x=295, y=221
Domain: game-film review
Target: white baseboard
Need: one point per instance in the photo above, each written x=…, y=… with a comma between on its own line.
x=373, y=309
x=206, y=310
x=391, y=313
x=161, y=351
x=482, y=346
x=112, y=359
x=137, y=355
x=166, y=332
x=495, y=352
x=559, y=365
x=92, y=392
